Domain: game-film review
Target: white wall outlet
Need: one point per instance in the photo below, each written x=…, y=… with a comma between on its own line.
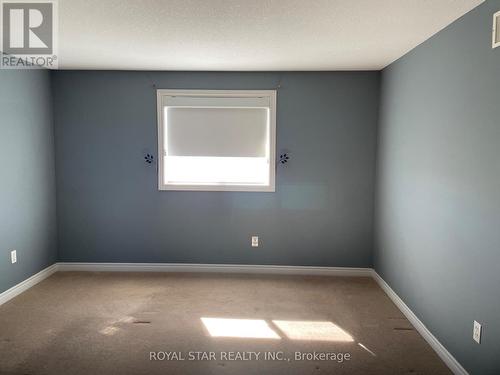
x=476, y=333
x=255, y=241
x=13, y=256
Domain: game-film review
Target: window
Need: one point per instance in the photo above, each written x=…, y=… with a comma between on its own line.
x=216, y=140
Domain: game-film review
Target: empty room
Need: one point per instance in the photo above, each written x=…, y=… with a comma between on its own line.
x=249, y=187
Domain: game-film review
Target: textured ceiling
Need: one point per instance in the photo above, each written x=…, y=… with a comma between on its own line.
x=247, y=34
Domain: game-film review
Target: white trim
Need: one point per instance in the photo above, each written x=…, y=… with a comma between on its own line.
x=440, y=350
x=26, y=284
x=222, y=268
x=496, y=20
x=271, y=94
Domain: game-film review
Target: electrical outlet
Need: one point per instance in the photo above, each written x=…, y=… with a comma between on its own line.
x=476, y=333
x=13, y=256
x=255, y=241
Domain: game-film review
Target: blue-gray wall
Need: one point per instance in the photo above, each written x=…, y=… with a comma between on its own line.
x=110, y=210
x=438, y=189
x=27, y=183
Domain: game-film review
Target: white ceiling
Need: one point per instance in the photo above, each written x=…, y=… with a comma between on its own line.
x=247, y=34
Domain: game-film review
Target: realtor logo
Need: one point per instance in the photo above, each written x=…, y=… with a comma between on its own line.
x=28, y=34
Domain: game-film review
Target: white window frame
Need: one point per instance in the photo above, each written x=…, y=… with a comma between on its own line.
x=161, y=93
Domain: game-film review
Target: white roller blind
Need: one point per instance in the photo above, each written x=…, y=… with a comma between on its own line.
x=217, y=101
x=217, y=140
x=217, y=131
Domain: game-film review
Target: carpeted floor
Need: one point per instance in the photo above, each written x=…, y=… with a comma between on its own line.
x=115, y=323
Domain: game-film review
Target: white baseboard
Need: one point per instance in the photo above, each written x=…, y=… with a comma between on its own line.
x=26, y=284
x=221, y=268
x=441, y=351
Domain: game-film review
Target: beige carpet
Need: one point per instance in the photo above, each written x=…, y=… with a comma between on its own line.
x=109, y=323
